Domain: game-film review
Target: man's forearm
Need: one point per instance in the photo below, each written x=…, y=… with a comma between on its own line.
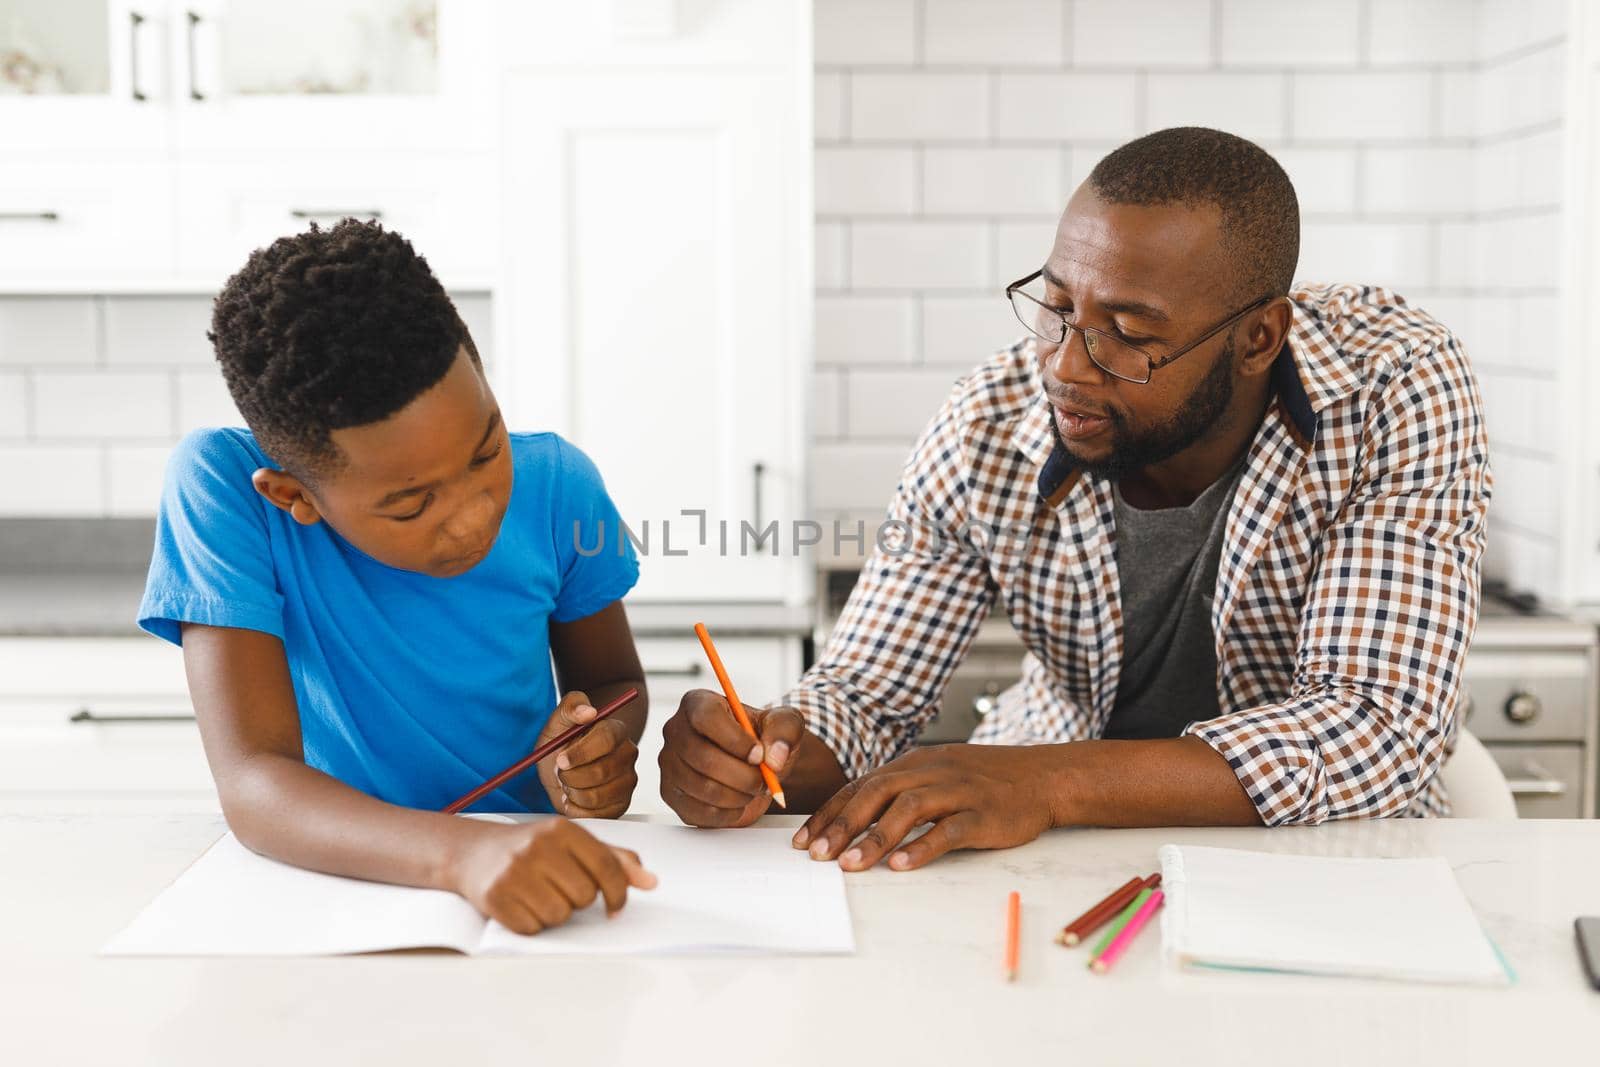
x=1180, y=781
x=813, y=776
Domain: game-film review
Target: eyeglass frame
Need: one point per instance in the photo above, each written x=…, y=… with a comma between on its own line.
x=1153, y=363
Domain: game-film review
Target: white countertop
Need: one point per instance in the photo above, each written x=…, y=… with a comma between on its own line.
x=924, y=987
x=54, y=604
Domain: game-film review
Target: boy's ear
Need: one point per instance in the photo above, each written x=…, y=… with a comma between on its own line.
x=283, y=490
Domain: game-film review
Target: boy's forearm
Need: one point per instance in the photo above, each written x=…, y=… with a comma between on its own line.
x=637, y=711
x=284, y=809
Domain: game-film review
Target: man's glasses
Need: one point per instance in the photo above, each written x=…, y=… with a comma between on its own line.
x=1107, y=351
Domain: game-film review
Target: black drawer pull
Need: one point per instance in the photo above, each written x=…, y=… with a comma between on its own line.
x=30, y=216
x=334, y=213
x=90, y=716
x=692, y=670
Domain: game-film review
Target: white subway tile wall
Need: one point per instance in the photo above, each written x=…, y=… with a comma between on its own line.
x=1424, y=138
x=95, y=390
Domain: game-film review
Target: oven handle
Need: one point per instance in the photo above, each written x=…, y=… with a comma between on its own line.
x=1537, y=783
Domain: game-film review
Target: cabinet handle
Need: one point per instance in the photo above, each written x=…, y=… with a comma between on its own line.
x=692, y=670
x=194, y=57
x=135, y=24
x=91, y=716
x=30, y=216
x=335, y=213
x=757, y=471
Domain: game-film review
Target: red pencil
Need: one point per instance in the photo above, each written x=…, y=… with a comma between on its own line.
x=557, y=742
x=1103, y=912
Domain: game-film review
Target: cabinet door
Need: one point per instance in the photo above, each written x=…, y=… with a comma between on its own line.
x=658, y=304
x=253, y=75
x=83, y=75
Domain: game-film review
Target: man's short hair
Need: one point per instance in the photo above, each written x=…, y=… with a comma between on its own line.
x=329, y=329
x=1192, y=165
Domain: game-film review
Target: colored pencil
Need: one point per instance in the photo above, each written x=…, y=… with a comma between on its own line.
x=1096, y=917
x=560, y=741
x=767, y=776
x=1013, y=933
x=1119, y=922
x=1102, y=963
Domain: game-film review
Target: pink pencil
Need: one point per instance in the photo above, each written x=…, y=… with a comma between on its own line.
x=1119, y=944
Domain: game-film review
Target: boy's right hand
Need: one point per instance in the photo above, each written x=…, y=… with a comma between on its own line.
x=709, y=765
x=533, y=876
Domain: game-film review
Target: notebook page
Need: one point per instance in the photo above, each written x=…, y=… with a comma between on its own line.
x=232, y=902
x=720, y=891
x=1374, y=918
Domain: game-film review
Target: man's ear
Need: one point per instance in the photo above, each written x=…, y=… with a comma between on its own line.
x=283, y=490
x=1268, y=330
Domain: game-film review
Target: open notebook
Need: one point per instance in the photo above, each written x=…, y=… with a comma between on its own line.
x=720, y=890
x=1370, y=918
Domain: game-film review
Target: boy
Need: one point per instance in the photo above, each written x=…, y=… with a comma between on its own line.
x=371, y=583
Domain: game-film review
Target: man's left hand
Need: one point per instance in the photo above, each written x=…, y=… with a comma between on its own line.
x=976, y=796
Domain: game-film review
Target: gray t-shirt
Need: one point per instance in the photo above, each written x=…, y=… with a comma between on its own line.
x=1167, y=565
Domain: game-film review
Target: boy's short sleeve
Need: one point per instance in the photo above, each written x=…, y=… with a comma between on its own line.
x=213, y=556
x=598, y=565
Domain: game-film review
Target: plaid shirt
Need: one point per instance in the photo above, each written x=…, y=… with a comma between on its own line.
x=1346, y=596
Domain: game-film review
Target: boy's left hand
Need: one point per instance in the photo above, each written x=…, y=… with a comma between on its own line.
x=594, y=776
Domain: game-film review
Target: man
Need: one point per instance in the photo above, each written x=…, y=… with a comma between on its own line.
x=1237, y=527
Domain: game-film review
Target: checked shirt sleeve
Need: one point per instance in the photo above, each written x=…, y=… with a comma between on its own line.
x=911, y=617
x=1388, y=617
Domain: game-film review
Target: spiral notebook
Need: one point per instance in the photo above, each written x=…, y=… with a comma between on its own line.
x=741, y=891
x=1402, y=919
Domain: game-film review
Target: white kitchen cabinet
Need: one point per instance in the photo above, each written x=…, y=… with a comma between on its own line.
x=657, y=284
x=298, y=75
x=149, y=145
x=83, y=76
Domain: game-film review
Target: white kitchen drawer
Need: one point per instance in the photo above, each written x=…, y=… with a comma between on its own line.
x=97, y=713
x=91, y=669
x=76, y=757
x=762, y=669
x=446, y=207
x=67, y=220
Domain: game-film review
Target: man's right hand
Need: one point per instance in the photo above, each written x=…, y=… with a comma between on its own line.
x=710, y=770
x=533, y=876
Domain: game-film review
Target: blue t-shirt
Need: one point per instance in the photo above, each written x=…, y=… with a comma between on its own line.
x=411, y=688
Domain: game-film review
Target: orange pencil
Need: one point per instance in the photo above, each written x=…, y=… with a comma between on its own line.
x=767, y=776
x=1013, y=932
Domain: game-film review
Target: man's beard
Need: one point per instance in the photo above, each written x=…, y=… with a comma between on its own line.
x=1199, y=414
